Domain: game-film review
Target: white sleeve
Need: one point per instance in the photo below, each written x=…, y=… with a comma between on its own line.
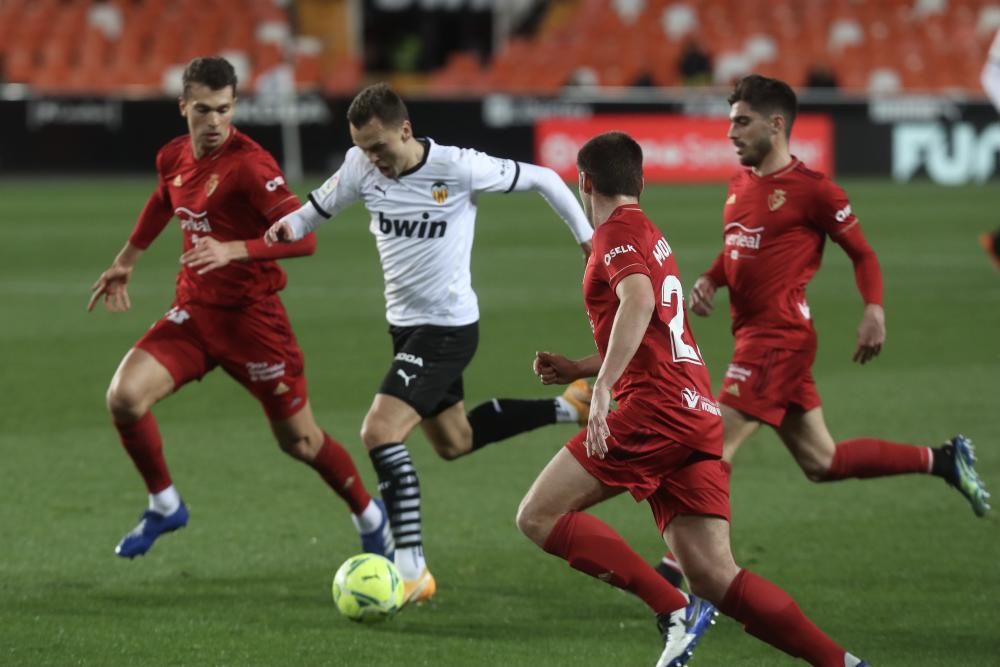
x=340, y=190
x=990, y=76
x=488, y=173
x=558, y=195
x=303, y=220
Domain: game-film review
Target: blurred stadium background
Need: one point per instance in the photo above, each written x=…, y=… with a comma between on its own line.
x=899, y=570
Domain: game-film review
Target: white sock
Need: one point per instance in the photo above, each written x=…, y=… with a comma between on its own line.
x=565, y=412
x=166, y=502
x=851, y=661
x=369, y=519
x=410, y=562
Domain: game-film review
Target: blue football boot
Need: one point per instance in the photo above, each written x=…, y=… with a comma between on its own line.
x=683, y=629
x=151, y=526
x=964, y=476
x=379, y=541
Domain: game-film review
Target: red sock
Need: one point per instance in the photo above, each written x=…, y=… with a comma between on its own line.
x=869, y=457
x=769, y=614
x=668, y=558
x=141, y=440
x=336, y=467
x=592, y=547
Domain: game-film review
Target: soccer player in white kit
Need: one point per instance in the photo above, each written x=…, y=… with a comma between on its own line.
x=422, y=200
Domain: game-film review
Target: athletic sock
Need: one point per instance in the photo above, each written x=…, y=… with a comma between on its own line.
x=369, y=519
x=335, y=465
x=501, y=418
x=870, y=457
x=943, y=462
x=165, y=502
x=771, y=615
x=566, y=412
x=400, y=488
x=141, y=440
x=594, y=548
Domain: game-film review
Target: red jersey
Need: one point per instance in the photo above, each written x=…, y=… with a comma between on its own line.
x=231, y=194
x=667, y=378
x=775, y=227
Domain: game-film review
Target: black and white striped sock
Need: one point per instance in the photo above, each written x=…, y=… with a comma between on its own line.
x=400, y=489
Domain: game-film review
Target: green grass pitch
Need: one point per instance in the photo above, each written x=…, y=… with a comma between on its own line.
x=897, y=570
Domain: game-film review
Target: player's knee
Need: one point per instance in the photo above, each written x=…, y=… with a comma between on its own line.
x=532, y=523
x=815, y=469
x=708, y=581
x=374, y=433
x=304, y=446
x=451, y=450
x=124, y=403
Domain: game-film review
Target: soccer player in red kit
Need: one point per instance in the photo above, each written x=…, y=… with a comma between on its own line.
x=777, y=216
x=225, y=190
x=664, y=442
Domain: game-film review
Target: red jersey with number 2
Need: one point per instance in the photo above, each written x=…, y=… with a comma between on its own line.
x=232, y=194
x=666, y=384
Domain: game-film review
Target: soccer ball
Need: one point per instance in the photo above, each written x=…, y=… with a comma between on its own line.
x=368, y=589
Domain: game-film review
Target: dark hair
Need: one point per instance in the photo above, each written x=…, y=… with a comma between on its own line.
x=613, y=161
x=767, y=96
x=377, y=101
x=212, y=71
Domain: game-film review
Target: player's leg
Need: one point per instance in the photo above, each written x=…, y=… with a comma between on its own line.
x=389, y=422
x=806, y=436
x=300, y=437
x=702, y=546
x=164, y=359
x=551, y=515
x=737, y=427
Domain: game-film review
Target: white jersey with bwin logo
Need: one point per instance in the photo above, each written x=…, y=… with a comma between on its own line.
x=424, y=222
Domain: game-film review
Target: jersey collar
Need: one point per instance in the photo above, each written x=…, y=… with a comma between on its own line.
x=776, y=174
x=427, y=143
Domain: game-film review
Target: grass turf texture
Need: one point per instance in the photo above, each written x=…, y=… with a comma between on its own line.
x=897, y=570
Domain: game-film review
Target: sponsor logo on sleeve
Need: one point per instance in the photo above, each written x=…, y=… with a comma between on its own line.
x=618, y=250
x=843, y=214
x=274, y=183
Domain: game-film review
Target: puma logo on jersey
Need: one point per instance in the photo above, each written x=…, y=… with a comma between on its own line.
x=406, y=378
x=420, y=229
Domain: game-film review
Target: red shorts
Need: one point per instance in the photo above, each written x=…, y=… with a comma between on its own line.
x=674, y=478
x=254, y=344
x=765, y=382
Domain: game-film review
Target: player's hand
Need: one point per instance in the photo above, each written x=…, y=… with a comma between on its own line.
x=596, y=443
x=587, y=247
x=209, y=254
x=280, y=232
x=702, y=295
x=552, y=368
x=112, y=286
x=871, y=334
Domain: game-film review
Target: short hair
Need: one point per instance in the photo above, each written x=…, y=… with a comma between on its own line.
x=377, y=101
x=212, y=71
x=767, y=96
x=613, y=161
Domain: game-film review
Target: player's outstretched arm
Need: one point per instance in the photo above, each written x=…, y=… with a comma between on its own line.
x=112, y=284
x=295, y=225
x=558, y=195
x=552, y=368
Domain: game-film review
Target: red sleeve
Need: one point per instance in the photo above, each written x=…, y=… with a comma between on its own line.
x=717, y=272
x=833, y=213
x=155, y=214
x=261, y=249
x=867, y=273
x=618, y=250
x=265, y=187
